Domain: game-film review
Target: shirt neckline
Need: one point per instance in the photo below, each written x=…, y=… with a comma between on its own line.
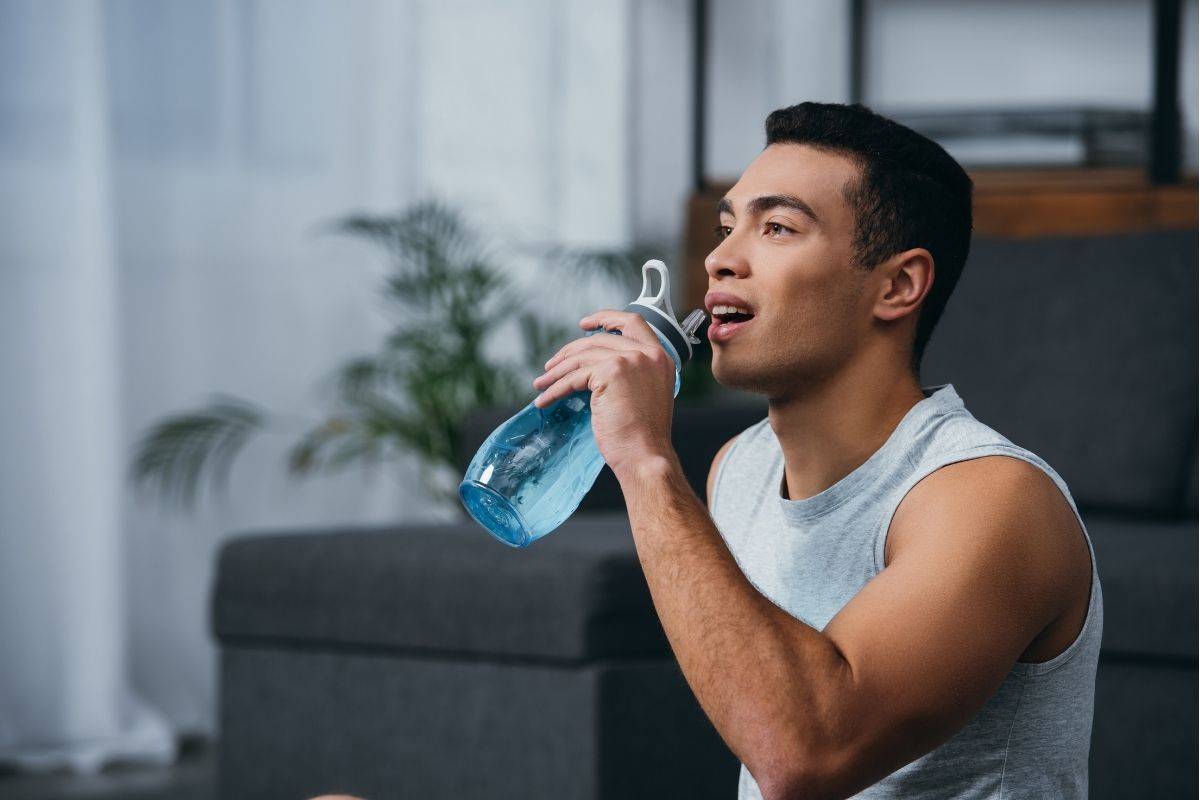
x=938, y=400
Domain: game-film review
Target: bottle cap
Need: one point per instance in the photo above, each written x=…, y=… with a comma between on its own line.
x=656, y=309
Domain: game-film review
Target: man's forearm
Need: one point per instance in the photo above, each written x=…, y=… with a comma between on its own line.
x=766, y=680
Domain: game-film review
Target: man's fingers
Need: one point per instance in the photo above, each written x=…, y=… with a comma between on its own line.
x=577, y=380
x=574, y=381
x=631, y=325
x=599, y=340
x=568, y=365
x=571, y=368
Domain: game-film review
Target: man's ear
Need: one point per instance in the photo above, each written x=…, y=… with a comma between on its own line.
x=906, y=279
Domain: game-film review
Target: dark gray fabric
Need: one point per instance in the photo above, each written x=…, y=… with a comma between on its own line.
x=1191, y=491
x=1148, y=569
x=1084, y=351
x=297, y=723
x=577, y=594
x=1144, y=733
x=652, y=731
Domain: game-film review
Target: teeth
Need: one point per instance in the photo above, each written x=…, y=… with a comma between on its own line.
x=719, y=310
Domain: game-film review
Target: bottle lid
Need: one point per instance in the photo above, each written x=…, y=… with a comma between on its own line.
x=656, y=309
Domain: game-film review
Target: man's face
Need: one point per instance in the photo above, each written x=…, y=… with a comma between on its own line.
x=793, y=269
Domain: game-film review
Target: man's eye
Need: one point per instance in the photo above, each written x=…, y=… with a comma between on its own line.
x=776, y=229
x=722, y=231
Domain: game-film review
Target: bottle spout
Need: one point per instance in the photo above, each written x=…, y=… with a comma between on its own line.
x=692, y=322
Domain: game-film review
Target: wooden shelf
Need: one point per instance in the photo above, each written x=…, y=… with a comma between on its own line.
x=1021, y=205
x=1009, y=204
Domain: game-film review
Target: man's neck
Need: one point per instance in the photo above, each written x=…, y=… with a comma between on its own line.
x=829, y=430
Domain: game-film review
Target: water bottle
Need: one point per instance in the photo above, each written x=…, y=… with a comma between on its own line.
x=531, y=473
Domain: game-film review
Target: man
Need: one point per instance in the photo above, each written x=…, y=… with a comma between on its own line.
x=889, y=598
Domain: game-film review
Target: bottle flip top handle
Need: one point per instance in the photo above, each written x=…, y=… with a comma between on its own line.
x=662, y=300
x=656, y=309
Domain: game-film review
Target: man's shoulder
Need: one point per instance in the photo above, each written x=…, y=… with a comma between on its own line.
x=997, y=489
x=1000, y=508
x=751, y=434
x=963, y=458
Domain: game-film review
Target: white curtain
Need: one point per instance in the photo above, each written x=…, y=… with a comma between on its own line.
x=164, y=169
x=64, y=693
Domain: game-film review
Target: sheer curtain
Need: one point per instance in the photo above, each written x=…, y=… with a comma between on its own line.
x=64, y=691
x=165, y=168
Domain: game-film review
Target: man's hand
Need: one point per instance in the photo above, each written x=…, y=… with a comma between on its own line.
x=632, y=380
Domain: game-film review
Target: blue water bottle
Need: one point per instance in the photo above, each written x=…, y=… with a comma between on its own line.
x=531, y=473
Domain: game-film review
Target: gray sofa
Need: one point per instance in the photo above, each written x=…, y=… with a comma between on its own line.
x=432, y=662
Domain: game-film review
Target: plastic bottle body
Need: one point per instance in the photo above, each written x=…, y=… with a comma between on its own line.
x=533, y=471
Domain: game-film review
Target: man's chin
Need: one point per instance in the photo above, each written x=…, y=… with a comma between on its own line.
x=771, y=381
x=738, y=379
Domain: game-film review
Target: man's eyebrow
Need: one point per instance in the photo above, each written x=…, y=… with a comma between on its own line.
x=766, y=202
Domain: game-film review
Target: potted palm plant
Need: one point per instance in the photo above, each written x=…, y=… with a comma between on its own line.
x=430, y=373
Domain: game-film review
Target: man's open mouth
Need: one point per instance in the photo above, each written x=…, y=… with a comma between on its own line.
x=731, y=314
x=727, y=320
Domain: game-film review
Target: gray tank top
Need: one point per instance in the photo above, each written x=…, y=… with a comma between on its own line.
x=811, y=556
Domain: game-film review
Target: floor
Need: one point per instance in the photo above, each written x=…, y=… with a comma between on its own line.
x=193, y=777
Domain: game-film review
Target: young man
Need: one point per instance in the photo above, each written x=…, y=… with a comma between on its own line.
x=889, y=598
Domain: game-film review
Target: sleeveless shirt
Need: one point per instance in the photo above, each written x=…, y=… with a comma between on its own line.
x=811, y=556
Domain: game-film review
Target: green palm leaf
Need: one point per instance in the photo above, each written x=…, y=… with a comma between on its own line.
x=173, y=454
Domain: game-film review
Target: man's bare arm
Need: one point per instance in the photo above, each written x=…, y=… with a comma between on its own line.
x=900, y=668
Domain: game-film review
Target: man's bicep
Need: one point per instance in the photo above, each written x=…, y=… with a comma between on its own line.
x=932, y=637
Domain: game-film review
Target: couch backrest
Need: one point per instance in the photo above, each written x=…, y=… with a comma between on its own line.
x=1084, y=351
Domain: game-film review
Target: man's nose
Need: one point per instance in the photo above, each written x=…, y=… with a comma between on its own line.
x=726, y=260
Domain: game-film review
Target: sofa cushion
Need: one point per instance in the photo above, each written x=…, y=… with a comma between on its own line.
x=1148, y=577
x=1084, y=351
x=1144, y=730
x=579, y=593
x=442, y=588
x=298, y=724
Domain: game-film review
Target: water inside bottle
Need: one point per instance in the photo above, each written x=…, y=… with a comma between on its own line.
x=539, y=466
x=531, y=473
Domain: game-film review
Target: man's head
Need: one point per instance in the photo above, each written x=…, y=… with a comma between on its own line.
x=834, y=236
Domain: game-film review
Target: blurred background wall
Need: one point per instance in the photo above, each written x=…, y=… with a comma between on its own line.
x=933, y=54
x=165, y=168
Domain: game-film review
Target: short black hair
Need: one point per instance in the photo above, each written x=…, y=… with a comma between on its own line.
x=910, y=193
